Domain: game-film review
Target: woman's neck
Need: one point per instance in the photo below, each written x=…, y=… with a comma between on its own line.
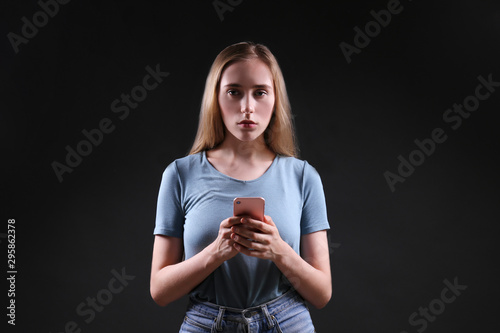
x=241, y=160
x=234, y=149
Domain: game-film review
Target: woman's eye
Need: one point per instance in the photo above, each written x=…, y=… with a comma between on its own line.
x=232, y=92
x=261, y=93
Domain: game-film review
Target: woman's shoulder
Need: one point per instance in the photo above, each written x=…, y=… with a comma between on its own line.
x=186, y=163
x=297, y=165
x=292, y=161
x=190, y=159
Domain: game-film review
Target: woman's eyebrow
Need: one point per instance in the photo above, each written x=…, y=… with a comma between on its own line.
x=237, y=85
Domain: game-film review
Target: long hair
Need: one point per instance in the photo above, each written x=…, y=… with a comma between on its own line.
x=279, y=135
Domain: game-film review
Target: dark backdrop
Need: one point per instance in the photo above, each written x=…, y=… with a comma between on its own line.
x=394, y=252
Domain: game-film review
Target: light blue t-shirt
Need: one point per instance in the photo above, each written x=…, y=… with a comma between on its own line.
x=194, y=198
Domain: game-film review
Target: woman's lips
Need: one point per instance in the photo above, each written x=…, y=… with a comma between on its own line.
x=247, y=124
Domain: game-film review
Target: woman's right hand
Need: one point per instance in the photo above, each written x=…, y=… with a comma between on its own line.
x=223, y=246
x=172, y=278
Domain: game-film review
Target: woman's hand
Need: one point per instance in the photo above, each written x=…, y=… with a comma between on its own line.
x=223, y=245
x=259, y=239
x=172, y=277
x=310, y=275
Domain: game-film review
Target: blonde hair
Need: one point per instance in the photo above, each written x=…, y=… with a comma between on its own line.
x=279, y=135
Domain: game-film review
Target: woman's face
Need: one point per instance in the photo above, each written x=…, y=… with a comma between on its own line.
x=246, y=99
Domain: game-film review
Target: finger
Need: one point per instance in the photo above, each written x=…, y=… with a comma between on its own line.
x=247, y=251
x=256, y=224
x=244, y=241
x=242, y=231
x=226, y=233
x=230, y=221
x=247, y=227
x=234, y=220
x=257, y=237
x=269, y=220
x=249, y=243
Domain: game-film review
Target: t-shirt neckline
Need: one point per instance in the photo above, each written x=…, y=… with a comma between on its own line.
x=214, y=170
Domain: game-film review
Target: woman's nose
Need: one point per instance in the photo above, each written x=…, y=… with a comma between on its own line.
x=247, y=106
x=246, y=110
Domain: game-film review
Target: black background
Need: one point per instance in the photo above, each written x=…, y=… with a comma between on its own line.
x=390, y=251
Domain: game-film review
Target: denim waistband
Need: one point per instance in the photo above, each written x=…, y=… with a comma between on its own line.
x=265, y=310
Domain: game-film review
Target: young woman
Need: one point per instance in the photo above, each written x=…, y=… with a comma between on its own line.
x=242, y=274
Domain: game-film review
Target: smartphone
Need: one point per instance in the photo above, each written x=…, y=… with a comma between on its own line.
x=251, y=206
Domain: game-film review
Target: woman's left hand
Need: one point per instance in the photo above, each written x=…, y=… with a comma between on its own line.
x=259, y=239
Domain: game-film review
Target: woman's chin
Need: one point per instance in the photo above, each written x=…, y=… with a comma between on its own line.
x=248, y=137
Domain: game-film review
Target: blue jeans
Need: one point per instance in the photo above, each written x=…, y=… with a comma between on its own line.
x=287, y=313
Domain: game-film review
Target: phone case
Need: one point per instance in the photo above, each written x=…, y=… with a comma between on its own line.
x=251, y=206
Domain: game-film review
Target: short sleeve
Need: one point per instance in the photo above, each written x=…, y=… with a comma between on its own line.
x=314, y=215
x=169, y=212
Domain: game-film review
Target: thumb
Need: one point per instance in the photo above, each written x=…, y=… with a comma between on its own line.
x=269, y=220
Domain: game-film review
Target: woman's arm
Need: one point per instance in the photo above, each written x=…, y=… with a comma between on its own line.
x=172, y=278
x=309, y=275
